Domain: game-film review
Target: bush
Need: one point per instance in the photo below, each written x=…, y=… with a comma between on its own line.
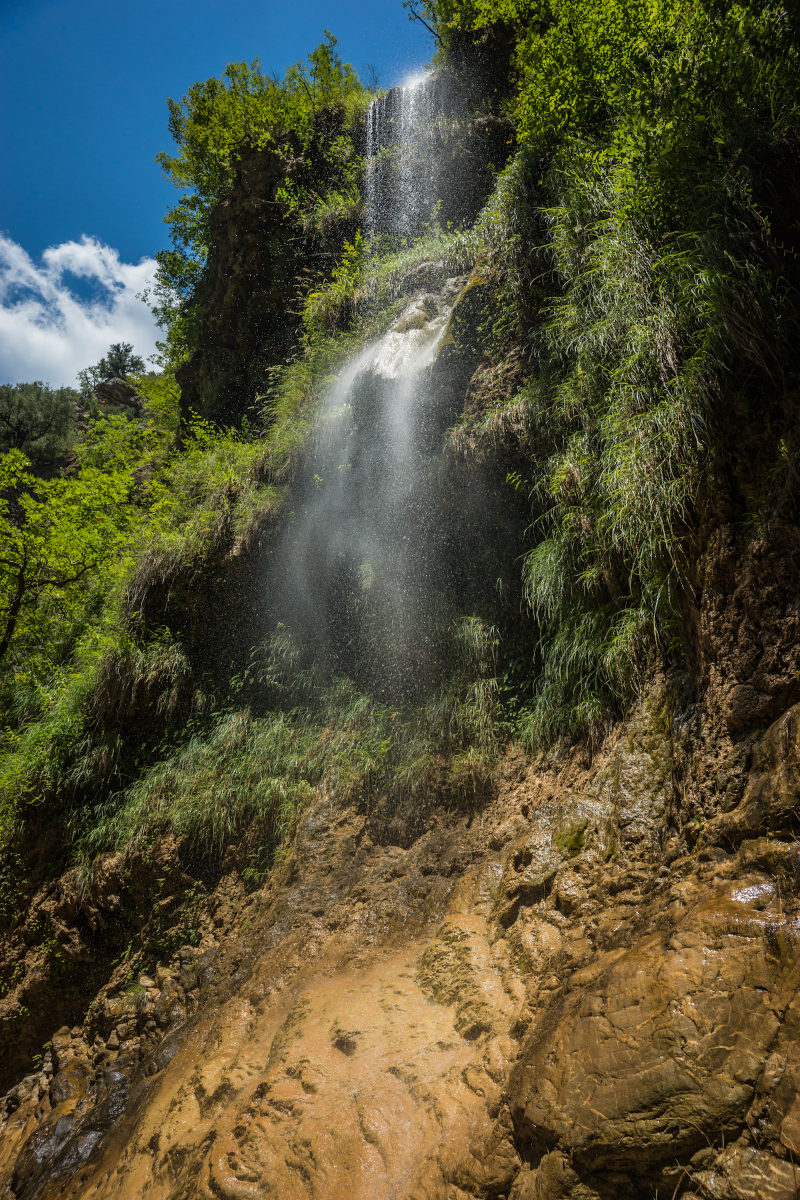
x=38, y=420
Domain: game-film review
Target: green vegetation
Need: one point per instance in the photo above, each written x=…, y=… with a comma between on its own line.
x=570, y=838
x=246, y=778
x=637, y=257
x=646, y=233
x=120, y=362
x=37, y=420
x=53, y=535
x=80, y=555
x=309, y=118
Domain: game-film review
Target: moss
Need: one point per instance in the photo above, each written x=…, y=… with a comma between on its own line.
x=570, y=838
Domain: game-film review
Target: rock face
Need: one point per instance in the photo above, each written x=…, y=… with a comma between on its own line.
x=656, y=1053
x=747, y=624
x=244, y=303
x=583, y=983
x=121, y=393
x=544, y=998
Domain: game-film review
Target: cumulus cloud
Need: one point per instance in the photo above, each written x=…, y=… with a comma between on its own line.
x=62, y=314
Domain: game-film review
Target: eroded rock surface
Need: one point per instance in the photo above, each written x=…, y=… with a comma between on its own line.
x=544, y=998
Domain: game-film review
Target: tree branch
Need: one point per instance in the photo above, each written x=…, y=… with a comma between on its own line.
x=62, y=580
x=417, y=17
x=311, y=98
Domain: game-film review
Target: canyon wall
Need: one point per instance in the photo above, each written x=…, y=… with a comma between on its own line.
x=580, y=981
x=563, y=973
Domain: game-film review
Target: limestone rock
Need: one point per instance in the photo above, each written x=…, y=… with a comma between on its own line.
x=547, y=1004
x=119, y=392
x=770, y=796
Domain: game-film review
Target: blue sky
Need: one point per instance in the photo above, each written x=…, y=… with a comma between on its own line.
x=83, y=90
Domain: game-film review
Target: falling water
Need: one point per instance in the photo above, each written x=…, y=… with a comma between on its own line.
x=402, y=172
x=366, y=568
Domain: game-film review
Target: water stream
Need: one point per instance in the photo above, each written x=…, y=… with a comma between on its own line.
x=364, y=563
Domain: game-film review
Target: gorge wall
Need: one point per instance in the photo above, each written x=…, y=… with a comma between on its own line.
x=573, y=974
x=545, y=996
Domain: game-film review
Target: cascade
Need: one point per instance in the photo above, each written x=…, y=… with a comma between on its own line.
x=406, y=174
x=366, y=571
x=395, y=190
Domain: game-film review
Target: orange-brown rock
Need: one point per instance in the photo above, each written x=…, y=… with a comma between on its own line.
x=541, y=999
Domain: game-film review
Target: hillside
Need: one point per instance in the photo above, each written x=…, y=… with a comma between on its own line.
x=400, y=761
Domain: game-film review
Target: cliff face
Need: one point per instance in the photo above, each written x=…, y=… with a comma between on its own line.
x=244, y=301
x=542, y=997
x=580, y=981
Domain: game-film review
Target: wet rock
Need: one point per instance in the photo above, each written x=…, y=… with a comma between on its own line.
x=506, y=833
x=416, y=315
x=746, y=707
x=112, y=1099
x=56, y=1149
x=426, y=275
x=571, y=894
x=547, y=1003
x=344, y=1039
x=654, y=1052
x=457, y=969
x=557, y=832
x=163, y=976
x=770, y=795
x=742, y=1172
x=552, y=1179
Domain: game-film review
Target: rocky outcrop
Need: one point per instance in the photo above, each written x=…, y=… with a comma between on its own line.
x=119, y=393
x=539, y=999
x=244, y=304
x=746, y=621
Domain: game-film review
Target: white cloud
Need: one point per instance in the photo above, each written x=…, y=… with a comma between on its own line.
x=48, y=331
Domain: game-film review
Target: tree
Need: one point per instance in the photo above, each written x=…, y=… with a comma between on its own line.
x=326, y=80
x=54, y=536
x=36, y=419
x=119, y=363
x=371, y=76
x=210, y=125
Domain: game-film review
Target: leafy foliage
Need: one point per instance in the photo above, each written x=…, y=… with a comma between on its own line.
x=137, y=510
x=54, y=535
x=210, y=125
x=36, y=419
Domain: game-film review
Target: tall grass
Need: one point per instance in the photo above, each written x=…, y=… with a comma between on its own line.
x=366, y=296
x=250, y=777
x=635, y=343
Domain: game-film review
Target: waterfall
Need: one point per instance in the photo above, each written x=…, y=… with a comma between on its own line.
x=364, y=566
x=405, y=173
x=372, y=142
x=364, y=556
